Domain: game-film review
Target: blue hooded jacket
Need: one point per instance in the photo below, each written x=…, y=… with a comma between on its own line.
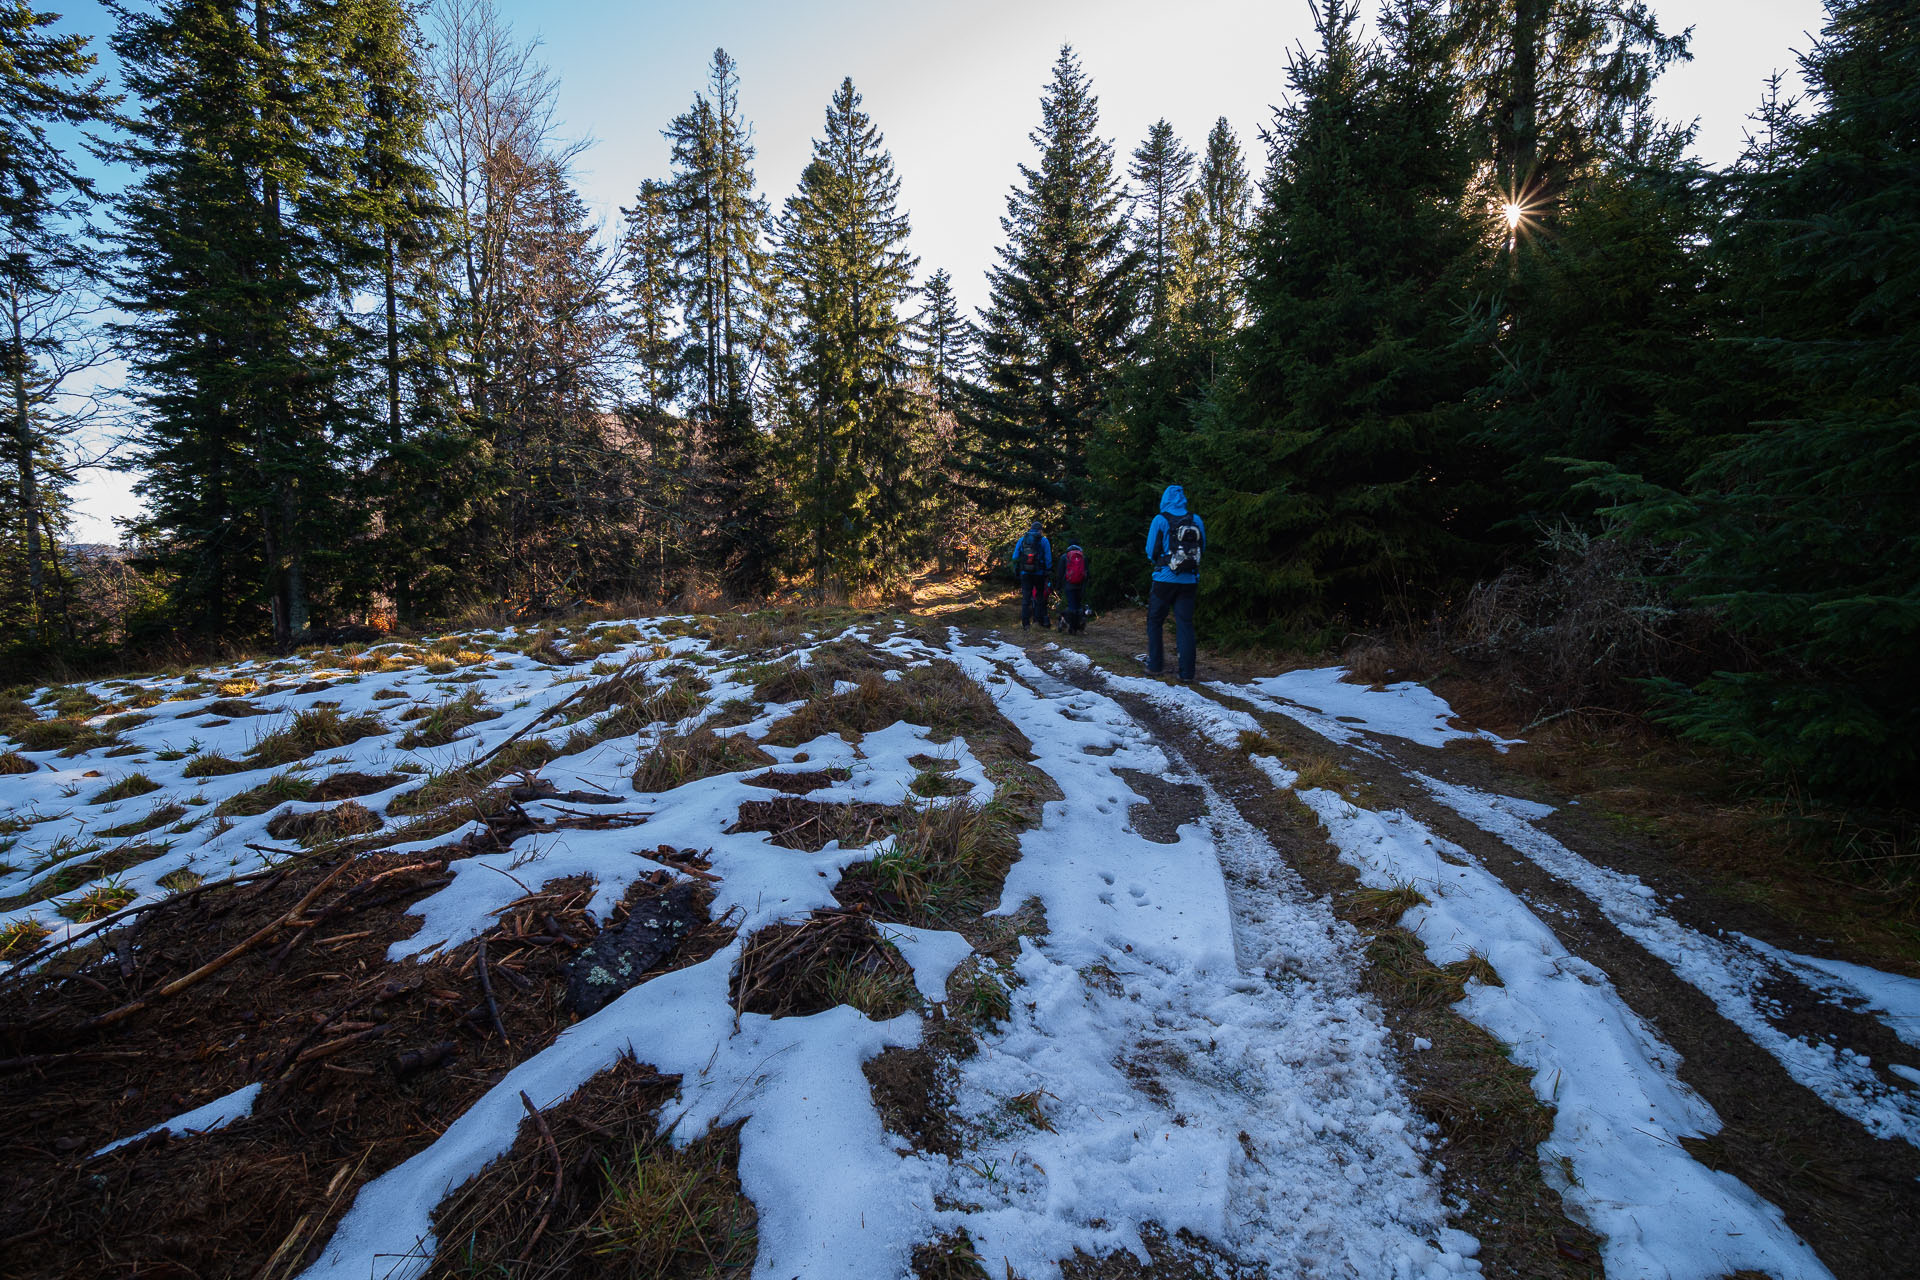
x=1046, y=549
x=1173, y=505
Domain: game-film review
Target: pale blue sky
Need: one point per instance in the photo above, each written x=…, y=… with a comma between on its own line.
x=956, y=89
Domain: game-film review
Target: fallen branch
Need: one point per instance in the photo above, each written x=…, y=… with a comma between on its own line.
x=342, y=1044
x=559, y=1172
x=486, y=989
x=216, y=964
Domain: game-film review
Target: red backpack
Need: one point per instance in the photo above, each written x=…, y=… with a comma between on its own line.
x=1076, y=567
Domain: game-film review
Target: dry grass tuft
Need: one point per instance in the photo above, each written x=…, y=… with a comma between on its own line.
x=159, y=817
x=101, y=900
x=1384, y=906
x=20, y=937
x=628, y=1202
x=463, y=784
x=1324, y=773
x=180, y=881
x=944, y=862
x=1476, y=968
x=680, y=758
x=830, y=958
x=12, y=762
x=324, y=826
x=444, y=721
x=211, y=764
x=134, y=784
x=1254, y=743
x=275, y=791
x=321, y=729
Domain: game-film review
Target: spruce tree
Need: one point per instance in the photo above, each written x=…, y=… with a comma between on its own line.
x=1162, y=172
x=1211, y=250
x=1329, y=468
x=842, y=253
x=419, y=459
x=1060, y=310
x=943, y=340
x=1554, y=86
x=238, y=240
x=1802, y=530
x=48, y=269
x=650, y=288
x=718, y=224
x=1594, y=309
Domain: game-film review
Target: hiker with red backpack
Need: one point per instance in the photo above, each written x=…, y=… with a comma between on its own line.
x=1033, y=562
x=1175, y=540
x=1073, y=583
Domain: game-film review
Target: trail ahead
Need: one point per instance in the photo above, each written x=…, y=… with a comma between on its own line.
x=1283, y=978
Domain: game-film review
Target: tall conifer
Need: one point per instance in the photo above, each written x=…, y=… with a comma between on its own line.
x=842, y=251
x=48, y=267
x=1060, y=310
x=1162, y=171
x=1330, y=466
x=1802, y=530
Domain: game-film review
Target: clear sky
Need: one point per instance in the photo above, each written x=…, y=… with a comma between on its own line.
x=956, y=90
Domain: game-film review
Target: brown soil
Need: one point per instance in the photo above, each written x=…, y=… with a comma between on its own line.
x=799, y=783
x=910, y=1092
x=549, y=1207
x=351, y=786
x=1168, y=805
x=809, y=825
x=315, y=1013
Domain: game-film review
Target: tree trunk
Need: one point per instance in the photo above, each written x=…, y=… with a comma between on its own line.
x=24, y=460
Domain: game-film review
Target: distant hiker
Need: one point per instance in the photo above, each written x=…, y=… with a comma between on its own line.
x=1033, y=561
x=1073, y=584
x=1175, y=540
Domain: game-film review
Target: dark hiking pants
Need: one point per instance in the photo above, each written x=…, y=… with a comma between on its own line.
x=1177, y=598
x=1033, y=598
x=1075, y=608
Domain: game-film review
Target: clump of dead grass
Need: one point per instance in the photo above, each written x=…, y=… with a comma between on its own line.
x=1324, y=773
x=442, y=722
x=462, y=783
x=310, y=732
x=275, y=791
x=12, y=762
x=211, y=764
x=939, y=696
x=944, y=861
x=1383, y=906
x=134, y=784
x=324, y=826
x=159, y=816
x=830, y=958
x=627, y=1202
x=680, y=758
x=98, y=901
x=19, y=937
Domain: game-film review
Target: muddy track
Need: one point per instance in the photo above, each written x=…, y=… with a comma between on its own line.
x=1847, y=1193
x=1483, y=1160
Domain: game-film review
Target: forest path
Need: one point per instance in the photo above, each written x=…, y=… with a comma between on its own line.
x=1696, y=1057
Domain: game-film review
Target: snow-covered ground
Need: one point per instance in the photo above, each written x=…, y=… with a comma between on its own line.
x=1189, y=1029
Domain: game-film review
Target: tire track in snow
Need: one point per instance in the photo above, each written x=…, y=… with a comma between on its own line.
x=1203, y=1067
x=1620, y=1106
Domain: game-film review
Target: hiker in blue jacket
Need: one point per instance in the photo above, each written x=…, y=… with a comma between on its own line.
x=1175, y=540
x=1033, y=562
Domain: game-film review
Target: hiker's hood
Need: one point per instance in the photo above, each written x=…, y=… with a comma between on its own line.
x=1174, y=500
